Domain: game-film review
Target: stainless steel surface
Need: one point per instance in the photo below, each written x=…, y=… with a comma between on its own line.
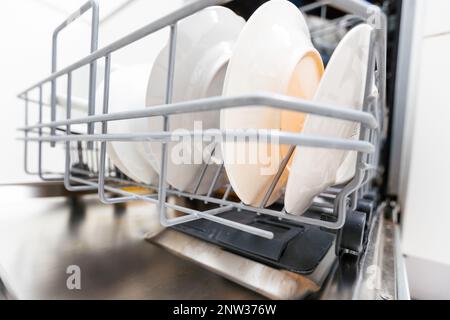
x=43, y=232
x=377, y=279
x=273, y=283
x=375, y=276
x=40, y=237
x=403, y=292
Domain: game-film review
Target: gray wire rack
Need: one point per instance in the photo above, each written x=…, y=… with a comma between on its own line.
x=97, y=173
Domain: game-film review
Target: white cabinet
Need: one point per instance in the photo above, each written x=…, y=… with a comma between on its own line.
x=427, y=214
x=436, y=17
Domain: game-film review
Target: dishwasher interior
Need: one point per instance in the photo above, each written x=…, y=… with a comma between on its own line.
x=341, y=228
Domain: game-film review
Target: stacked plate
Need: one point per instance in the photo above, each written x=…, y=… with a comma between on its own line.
x=218, y=53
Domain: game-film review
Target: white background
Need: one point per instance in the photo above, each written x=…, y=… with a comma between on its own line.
x=26, y=28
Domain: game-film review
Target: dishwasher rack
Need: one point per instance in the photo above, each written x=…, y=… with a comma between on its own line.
x=94, y=171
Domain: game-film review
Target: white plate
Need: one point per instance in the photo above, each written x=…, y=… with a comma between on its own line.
x=347, y=170
x=128, y=87
x=117, y=163
x=343, y=84
x=274, y=54
x=205, y=42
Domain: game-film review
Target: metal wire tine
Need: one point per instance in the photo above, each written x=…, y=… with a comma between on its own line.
x=102, y=172
x=103, y=188
x=91, y=159
x=382, y=57
x=68, y=162
x=277, y=101
x=133, y=183
x=106, y=91
x=314, y=5
x=212, y=216
x=193, y=212
x=96, y=148
x=214, y=182
x=322, y=210
x=340, y=209
x=169, y=94
x=277, y=177
x=227, y=192
x=342, y=22
x=333, y=190
x=286, y=138
x=327, y=202
x=26, y=133
x=328, y=195
x=110, y=166
x=73, y=153
x=171, y=68
x=354, y=198
x=91, y=4
x=323, y=12
x=240, y=206
x=205, y=167
x=93, y=66
x=83, y=152
x=36, y=101
x=127, y=195
x=40, y=170
x=68, y=116
x=53, y=87
x=361, y=174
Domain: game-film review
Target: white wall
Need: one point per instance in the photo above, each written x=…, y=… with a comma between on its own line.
x=425, y=170
x=25, y=58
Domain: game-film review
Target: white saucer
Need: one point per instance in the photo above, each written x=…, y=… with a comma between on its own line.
x=343, y=84
x=274, y=54
x=204, y=45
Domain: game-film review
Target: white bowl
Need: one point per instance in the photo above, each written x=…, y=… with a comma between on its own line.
x=343, y=84
x=128, y=87
x=274, y=54
x=205, y=42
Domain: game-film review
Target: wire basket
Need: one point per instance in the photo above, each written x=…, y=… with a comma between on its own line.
x=87, y=166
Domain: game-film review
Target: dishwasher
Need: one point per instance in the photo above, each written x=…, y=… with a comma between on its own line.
x=345, y=246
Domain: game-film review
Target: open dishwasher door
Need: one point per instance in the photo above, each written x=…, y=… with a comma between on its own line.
x=47, y=235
